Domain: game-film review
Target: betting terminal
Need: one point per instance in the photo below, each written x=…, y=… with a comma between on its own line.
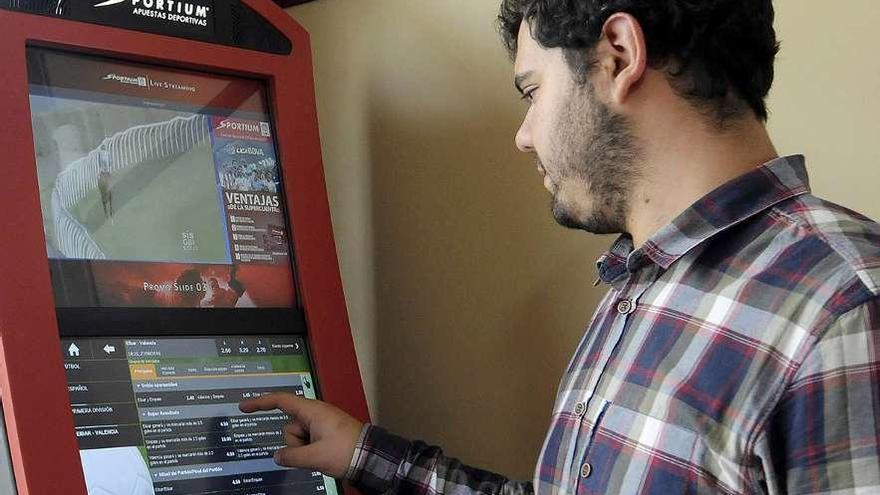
x=167, y=250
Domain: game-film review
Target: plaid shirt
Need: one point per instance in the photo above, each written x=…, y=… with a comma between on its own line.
x=737, y=351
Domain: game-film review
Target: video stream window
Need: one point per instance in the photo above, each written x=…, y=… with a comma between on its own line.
x=160, y=415
x=159, y=187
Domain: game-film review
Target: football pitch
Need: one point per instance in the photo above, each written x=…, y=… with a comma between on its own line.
x=160, y=210
x=156, y=199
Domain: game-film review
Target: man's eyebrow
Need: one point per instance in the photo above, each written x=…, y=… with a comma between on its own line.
x=520, y=79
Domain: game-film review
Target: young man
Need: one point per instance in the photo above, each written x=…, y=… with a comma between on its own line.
x=738, y=348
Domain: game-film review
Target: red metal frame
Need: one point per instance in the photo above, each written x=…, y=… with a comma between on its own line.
x=32, y=379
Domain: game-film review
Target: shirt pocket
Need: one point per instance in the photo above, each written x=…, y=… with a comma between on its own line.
x=631, y=452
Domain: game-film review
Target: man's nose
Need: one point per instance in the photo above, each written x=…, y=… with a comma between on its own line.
x=524, y=138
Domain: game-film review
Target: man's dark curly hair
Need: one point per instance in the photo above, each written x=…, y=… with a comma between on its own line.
x=716, y=53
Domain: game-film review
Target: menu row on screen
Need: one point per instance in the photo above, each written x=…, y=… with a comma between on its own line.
x=160, y=415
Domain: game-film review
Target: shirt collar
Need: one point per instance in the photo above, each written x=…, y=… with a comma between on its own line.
x=726, y=206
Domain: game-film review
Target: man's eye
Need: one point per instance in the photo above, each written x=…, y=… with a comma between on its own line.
x=529, y=95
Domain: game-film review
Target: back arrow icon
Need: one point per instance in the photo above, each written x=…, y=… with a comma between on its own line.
x=109, y=349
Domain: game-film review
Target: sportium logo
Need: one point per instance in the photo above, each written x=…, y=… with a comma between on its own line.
x=165, y=10
x=132, y=80
x=230, y=128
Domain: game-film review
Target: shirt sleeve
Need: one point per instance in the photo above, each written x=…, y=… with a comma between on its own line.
x=386, y=463
x=825, y=434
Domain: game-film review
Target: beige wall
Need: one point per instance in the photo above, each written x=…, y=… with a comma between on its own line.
x=827, y=98
x=465, y=298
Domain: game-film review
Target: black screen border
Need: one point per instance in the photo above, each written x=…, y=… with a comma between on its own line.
x=141, y=322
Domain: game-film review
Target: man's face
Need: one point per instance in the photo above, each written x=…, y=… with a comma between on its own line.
x=585, y=152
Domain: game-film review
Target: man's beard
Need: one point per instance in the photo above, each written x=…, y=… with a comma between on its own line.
x=598, y=151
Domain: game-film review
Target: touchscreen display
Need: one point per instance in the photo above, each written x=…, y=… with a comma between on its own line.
x=160, y=415
x=159, y=187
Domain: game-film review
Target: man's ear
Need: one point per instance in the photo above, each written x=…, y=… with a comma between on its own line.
x=622, y=55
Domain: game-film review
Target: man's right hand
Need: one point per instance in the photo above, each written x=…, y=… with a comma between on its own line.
x=319, y=436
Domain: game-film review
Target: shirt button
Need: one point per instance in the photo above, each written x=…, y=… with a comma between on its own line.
x=586, y=469
x=625, y=306
x=580, y=409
